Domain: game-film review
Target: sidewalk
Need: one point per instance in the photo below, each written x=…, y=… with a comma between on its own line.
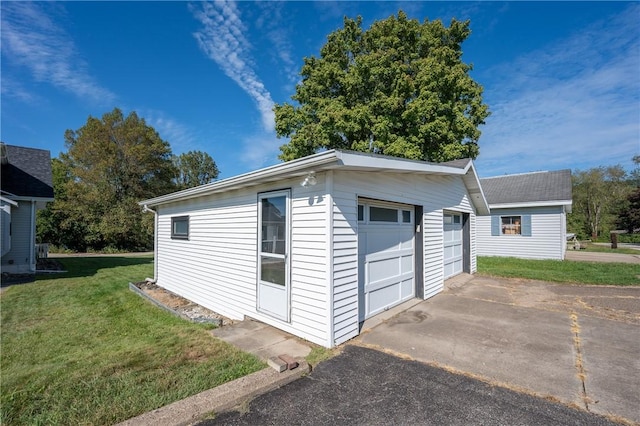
x=589, y=256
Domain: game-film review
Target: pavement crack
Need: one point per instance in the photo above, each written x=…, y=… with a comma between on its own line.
x=579, y=362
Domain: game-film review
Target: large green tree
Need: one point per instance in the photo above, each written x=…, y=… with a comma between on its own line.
x=194, y=168
x=111, y=163
x=398, y=88
x=599, y=196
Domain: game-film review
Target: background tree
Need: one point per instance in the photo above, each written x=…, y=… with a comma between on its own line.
x=111, y=164
x=194, y=168
x=399, y=88
x=629, y=218
x=599, y=196
x=55, y=225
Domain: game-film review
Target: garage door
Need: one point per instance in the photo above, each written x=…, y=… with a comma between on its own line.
x=452, y=244
x=385, y=256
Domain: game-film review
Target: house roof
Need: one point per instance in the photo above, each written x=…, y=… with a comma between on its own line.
x=336, y=159
x=26, y=172
x=528, y=189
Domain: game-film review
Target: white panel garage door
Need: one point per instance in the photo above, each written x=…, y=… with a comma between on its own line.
x=385, y=256
x=452, y=244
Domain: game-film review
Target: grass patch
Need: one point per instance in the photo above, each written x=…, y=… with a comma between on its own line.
x=319, y=354
x=621, y=274
x=608, y=249
x=81, y=348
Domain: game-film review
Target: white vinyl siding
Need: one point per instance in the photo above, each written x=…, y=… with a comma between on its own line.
x=217, y=266
x=17, y=259
x=547, y=240
x=434, y=193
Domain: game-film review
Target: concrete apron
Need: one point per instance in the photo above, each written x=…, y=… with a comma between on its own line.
x=576, y=344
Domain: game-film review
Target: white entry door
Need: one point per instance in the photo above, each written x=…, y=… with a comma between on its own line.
x=273, y=253
x=385, y=256
x=453, y=261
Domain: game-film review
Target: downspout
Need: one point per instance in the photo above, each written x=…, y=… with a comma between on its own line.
x=153, y=280
x=32, y=238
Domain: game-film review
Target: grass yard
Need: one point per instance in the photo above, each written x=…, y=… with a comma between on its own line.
x=620, y=274
x=81, y=348
x=608, y=249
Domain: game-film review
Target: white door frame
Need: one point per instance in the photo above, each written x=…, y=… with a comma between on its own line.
x=274, y=291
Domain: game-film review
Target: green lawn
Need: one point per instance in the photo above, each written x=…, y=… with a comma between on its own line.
x=608, y=249
x=621, y=274
x=81, y=348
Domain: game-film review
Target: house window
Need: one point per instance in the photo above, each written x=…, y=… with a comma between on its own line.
x=511, y=225
x=180, y=227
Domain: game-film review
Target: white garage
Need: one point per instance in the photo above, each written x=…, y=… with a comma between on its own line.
x=316, y=245
x=385, y=256
x=453, y=239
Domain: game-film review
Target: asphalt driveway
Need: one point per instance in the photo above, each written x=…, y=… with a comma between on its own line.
x=577, y=344
x=362, y=386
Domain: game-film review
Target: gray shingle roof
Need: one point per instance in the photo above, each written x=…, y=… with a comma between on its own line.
x=528, y=187
x=27, y=172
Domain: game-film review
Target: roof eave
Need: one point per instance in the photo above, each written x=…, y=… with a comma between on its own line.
x=246, y=179
x=549, y=203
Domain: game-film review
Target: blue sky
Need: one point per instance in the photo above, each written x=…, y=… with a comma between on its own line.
x=562, y=79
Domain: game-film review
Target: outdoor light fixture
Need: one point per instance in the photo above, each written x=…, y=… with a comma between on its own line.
x=310, y=179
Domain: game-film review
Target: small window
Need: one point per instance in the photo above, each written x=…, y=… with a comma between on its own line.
x=456, y=219
x=381, y=214
x=360, y=213
x=406, y=216
x=511, y=225
x=180, y=227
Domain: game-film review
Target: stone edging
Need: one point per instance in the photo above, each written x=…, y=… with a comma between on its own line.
x=135, y=289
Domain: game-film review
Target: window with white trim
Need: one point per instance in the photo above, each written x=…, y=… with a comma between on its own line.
x=180, y=227
x=511, y=225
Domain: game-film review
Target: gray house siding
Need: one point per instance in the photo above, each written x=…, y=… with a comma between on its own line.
x=546, y=240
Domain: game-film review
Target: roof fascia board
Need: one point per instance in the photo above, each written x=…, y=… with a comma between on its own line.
x=27, y=198
x=532, y=204
x=315, y=160
x=349, y=159
x=477, y=198
x=8, y=200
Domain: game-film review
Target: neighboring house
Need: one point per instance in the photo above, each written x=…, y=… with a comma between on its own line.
x=528, y=215
x=317, y=245
x=26, y=185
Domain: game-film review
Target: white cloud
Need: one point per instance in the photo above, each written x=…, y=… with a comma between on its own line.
x=222, y=40
x=260, y=150
x=271, y=23
x=574, y=103
x=31, y=39
x=180, y=137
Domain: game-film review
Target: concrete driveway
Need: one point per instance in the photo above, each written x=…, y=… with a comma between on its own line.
x=576, y=344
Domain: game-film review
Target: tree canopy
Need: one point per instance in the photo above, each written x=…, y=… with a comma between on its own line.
x=398, y=88
x=600, y=197
x=194, y=168
x=111, y=163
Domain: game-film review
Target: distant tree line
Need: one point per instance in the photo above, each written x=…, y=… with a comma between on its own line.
x=604, y=199
x=110, y=164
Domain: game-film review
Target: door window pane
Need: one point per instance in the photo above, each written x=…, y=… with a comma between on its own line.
x=380, y=214
x=406, y=216
x=274, y=221
x=272, y=270
x=360, y=213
